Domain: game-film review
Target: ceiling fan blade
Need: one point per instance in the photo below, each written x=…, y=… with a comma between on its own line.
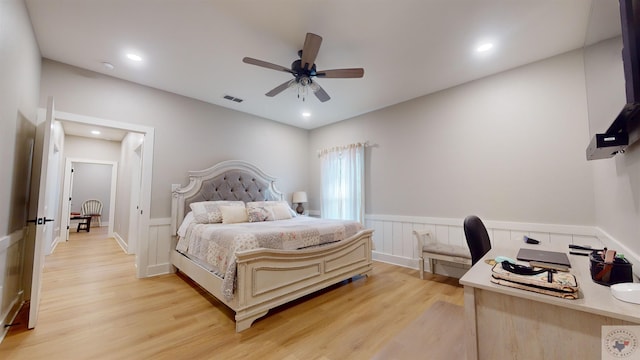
x=265, y=64
x=310, y=50
x=320, y=93
x=341, y=73
x=280, y=88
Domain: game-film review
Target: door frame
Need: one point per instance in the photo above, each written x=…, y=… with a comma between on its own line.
x=134, y=197
x=141, y=251
x=66, y=194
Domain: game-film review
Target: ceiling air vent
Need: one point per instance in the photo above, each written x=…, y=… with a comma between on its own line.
x=229, y=97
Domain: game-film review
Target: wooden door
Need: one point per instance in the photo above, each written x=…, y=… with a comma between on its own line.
x=38, y=208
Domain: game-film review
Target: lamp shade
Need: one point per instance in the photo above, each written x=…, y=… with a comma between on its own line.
x=299, y=197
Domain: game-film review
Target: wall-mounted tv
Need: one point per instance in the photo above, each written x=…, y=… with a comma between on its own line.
x=625, y=128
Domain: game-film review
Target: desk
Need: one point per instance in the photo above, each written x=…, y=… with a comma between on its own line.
x=507, y=323
x=82, y=225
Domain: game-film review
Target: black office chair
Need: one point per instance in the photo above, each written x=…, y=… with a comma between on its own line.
x=477, y=237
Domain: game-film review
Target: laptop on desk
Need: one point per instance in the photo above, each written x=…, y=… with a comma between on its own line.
x=551, y=257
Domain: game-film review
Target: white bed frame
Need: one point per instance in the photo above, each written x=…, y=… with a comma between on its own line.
x=267, y=278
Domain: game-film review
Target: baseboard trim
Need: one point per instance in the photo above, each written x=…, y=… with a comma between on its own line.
x=159, y=269
x=56, y=241
x=395, y=260
x=16, y=305
x=123, y=244
x=442, y=268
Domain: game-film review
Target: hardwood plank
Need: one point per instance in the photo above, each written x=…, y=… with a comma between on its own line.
x=437, y=334
x=93, y=307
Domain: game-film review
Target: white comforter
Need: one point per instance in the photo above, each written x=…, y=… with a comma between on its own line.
x=216, y=244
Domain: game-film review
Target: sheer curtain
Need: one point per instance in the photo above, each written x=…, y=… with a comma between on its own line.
x=342, y=180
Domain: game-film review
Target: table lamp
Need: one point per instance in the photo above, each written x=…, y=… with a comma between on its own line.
x=299, y=197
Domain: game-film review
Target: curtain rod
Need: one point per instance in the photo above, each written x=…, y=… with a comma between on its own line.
x=342, y=147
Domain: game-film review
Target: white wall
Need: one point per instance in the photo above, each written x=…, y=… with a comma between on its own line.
x=92, y=181
x=509, y=147
x=91, y=149
x=19, y=86
x=189, y=134
x=616, y=180
x=95, y=183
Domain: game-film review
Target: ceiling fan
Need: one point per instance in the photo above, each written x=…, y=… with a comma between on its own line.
x=304, y=69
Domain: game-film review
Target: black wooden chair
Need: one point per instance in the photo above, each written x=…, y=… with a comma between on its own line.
x=477, y=237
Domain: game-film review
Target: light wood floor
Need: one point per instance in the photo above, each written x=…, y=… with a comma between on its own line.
x=93, y=307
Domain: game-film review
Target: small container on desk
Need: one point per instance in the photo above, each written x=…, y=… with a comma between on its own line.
x=620, y=270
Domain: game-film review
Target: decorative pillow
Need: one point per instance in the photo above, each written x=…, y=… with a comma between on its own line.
x=270, y=204
x=269, y=211
x=258, y=214
x=281, y=212
x=233, y=214
x=208, y=212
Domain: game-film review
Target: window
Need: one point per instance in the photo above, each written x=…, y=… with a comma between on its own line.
x=342, y=180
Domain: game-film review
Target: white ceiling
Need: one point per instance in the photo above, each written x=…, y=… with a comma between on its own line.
x=408, y=48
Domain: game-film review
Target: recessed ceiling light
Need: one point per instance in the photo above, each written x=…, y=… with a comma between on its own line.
x=134, y=57
x=306, y=114
x=108, y=65
x=95, y=132
x=484, y=47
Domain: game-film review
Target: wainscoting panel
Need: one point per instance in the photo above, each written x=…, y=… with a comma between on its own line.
x=11, y=292
x=395, y=243
x=159, y=246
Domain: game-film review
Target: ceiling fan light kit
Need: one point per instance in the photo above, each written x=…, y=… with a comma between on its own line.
x=304, y=69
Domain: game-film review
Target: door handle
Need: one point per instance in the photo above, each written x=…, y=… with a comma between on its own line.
x=40, y=221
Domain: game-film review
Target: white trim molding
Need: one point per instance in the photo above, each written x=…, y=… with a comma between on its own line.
x=123, y=244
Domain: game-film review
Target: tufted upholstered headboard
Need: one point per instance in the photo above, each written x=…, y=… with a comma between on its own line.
x=228, y=180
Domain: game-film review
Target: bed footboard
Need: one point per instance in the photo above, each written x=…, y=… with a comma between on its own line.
x=268, y=278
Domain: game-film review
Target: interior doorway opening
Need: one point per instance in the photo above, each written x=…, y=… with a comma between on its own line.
x=72, y=200
x=138, y=142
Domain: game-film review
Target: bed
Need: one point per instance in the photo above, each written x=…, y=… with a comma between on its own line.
x=264, y=277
